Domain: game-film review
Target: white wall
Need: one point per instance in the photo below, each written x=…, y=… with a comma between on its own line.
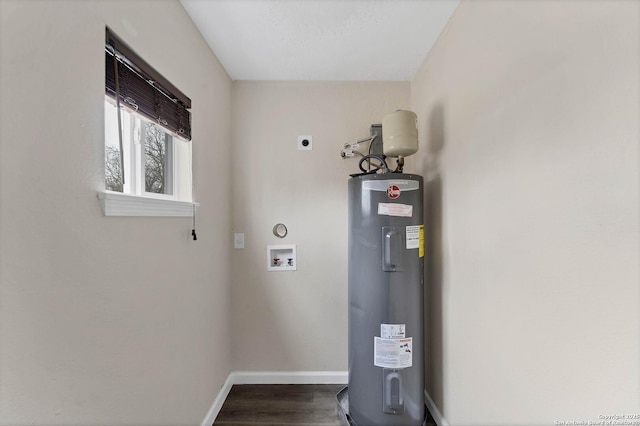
x=528, y=117
x=296, y=321
x=105, y=320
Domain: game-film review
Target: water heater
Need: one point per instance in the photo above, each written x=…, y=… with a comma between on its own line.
x=386, y=258
x=386, y=263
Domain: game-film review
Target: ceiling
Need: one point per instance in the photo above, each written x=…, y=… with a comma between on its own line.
x=377, y=40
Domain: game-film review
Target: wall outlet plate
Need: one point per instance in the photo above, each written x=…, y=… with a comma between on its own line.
x=305, y=142
x=238, y=240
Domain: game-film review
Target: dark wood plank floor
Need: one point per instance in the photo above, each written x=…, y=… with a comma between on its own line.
x=280, y=405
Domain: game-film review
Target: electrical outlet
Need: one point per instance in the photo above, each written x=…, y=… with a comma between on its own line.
x=305, y=142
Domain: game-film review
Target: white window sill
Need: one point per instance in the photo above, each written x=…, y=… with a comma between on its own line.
x=117, y=204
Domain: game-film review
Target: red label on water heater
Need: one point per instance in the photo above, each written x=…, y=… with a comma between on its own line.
x=393, y=192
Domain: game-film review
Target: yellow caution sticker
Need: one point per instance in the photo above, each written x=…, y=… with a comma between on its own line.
x=415, y=238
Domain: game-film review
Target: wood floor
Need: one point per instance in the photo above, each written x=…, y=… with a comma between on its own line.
x=280, y=405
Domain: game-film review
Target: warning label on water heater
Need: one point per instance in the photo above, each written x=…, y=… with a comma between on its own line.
x=392, y=331
x=393, y=209
x=415, y=238
x=393, y=353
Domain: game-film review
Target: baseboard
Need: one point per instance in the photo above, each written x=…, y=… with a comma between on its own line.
x=217, y=403
x=433, y=409
x=290, y=377
x=273, y=378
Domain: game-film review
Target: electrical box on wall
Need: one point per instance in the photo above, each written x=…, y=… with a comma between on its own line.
x=281, y=257
x=376, y=144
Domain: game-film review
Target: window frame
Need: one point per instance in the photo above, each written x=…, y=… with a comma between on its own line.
x=137, y=201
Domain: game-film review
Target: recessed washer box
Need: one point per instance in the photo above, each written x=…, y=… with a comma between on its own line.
x=281, y=257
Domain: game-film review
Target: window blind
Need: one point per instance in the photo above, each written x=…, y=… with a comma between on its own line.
x=140, y=87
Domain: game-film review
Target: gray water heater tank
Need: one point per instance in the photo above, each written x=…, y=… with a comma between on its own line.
x=386, y=262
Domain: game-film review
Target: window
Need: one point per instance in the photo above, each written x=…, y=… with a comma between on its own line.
x=151, y=157
x=147, y=144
